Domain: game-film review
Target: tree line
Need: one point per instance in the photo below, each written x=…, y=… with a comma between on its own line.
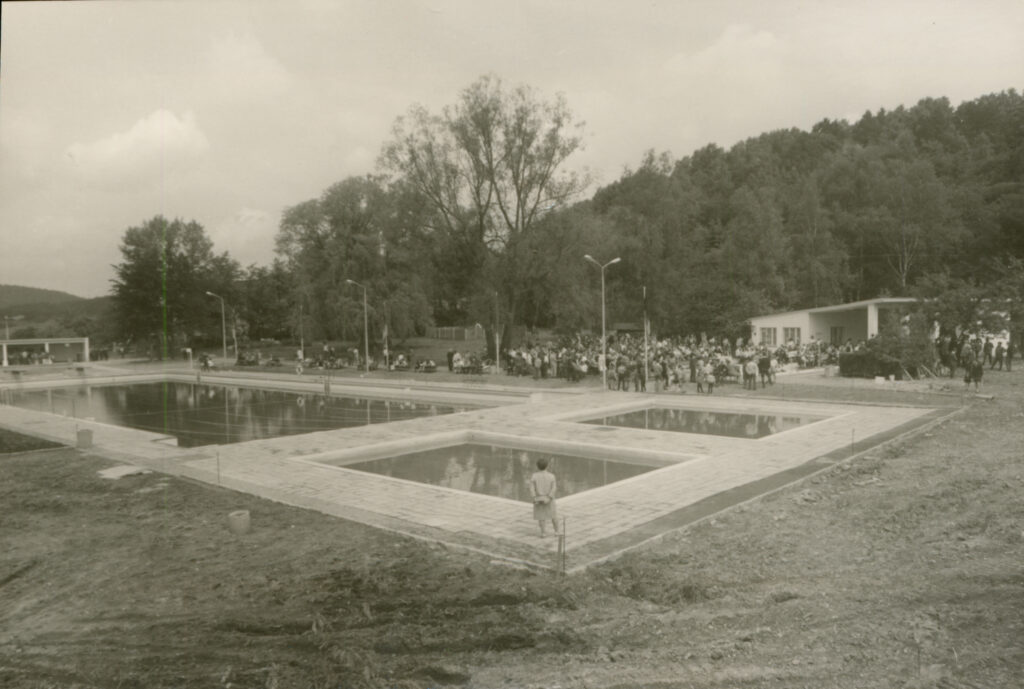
x=475, y=214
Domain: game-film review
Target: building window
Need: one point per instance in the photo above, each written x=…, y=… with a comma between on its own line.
x=791, y=335
x=768, y=336
x=836, y=335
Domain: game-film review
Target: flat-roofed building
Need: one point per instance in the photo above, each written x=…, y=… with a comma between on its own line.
x=56, y=349
x=829, y=324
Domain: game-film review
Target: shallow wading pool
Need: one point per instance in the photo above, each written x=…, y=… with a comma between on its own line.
x=729, y=424
x=499, y=471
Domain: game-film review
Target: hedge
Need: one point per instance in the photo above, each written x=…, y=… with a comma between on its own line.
x=867, y=364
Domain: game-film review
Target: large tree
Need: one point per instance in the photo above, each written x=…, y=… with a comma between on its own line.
x=359, y=230
x=489, y=168
x=161, y=284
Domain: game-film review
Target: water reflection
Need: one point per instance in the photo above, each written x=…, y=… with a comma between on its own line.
x=499, y=471
x=200, y=414
x=705, y=422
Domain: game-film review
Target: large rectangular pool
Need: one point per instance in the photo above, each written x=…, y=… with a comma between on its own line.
x=198, y=414
x=730, y=424
x=500, y=471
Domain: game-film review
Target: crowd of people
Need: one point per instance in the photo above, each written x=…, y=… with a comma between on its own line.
x=670, y=363
x=972, y=354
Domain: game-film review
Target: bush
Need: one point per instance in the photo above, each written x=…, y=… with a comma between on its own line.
x=868, y=364
x=903, y=345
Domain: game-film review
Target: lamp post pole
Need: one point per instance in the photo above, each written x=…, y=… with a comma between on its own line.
x=604, y=335
x=497, y=336
x=223, y=326
x=366, y=325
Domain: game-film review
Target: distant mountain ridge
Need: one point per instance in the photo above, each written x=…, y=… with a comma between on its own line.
x=16, y=295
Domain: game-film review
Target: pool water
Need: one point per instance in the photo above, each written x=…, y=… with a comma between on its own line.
x=728, y=424
x=500, y=471
x=198, y=414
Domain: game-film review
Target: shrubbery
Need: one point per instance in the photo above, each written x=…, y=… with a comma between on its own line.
x=902, y=347
x=868, y=364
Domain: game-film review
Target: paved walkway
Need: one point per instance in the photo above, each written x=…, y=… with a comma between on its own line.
x=302, y=470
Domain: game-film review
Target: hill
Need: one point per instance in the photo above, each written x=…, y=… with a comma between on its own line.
x=76, y=307
x=16, y=295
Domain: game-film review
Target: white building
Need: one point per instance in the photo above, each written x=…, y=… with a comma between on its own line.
x=829, y=324
x=68, y=349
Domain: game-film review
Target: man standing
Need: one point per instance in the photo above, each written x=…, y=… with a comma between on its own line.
x=998, y=357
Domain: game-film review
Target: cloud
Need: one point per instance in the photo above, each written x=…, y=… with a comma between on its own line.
x=740, y=54
x=239, y=65
x=248, y=236
x=158, y=143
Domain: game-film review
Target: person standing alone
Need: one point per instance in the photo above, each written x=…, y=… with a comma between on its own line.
x=542, y=488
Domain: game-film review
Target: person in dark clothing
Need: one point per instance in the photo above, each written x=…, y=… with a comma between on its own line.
x=764, y=368
x=997, y=358
x=974, y=374
x=987, y=349
x=451, y=359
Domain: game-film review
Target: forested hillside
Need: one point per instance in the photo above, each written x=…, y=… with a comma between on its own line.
x=793, y=219
x=15, y=295
x=476, y=215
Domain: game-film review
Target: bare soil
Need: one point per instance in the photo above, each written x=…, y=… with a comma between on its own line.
x=902, y=568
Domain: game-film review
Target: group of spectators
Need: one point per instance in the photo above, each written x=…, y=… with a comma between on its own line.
x=971, y=354
x=26, y=357
x=670, y=363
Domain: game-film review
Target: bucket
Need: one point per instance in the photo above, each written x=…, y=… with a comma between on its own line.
x=238, y=522
x=84, y=438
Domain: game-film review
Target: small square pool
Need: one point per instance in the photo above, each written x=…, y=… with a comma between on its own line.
x=500, y=471
x=730, y=424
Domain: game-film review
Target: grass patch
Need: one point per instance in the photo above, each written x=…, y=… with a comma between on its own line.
x=16, y=442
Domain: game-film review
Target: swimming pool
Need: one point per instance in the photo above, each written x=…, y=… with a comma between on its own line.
x=500, y=471
x=730, y=424
x=199, y=414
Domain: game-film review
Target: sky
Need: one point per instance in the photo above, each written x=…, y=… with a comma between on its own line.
x=228, y=112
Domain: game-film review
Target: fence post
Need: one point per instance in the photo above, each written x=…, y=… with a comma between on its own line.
x=561, y=549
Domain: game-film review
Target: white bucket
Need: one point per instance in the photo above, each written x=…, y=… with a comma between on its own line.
x=238, y=522
x=84, y=439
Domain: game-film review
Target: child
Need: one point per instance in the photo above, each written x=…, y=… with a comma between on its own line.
x=542, y=487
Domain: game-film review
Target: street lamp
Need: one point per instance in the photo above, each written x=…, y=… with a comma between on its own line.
x=223, y=325
x=497, y=336
x=604, y=335
x=366, y=325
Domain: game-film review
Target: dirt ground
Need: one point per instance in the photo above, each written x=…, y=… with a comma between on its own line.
x=902, y=568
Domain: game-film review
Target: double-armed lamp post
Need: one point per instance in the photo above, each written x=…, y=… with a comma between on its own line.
x=604, y=334
x=366, y=325
x=223, y=325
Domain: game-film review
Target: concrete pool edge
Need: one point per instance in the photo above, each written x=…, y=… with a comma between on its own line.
x=619, y=544
x=313, y=384
x=602, y=521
